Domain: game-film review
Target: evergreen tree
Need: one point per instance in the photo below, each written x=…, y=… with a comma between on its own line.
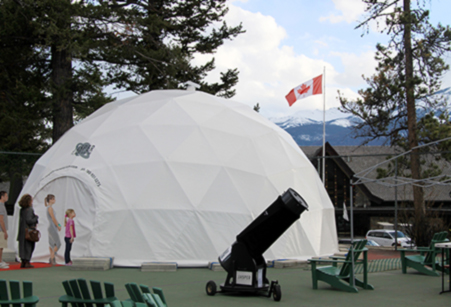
x=66, y=35
x=23, y=104
x=55, y=55
x=40, y=88
x=257, y=107
x=409, y=70
x=156, y=40
x=71, y=33
x=143, y=45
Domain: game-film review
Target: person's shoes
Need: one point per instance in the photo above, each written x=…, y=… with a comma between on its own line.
x=28, y=265
x=22, y=264
x=69, y=263
x=54, y=261
x=50, y=261
x=4, y=265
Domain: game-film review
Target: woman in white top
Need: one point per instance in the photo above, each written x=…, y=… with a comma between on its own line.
x=54, y=227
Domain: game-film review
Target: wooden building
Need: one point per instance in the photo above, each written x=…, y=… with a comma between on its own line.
x=373, y=202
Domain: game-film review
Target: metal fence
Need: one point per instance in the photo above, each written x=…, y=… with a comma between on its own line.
x=14, y=169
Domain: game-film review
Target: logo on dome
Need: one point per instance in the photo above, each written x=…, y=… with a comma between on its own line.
x=83, y=150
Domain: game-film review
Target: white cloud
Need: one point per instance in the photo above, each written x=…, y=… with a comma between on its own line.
x=271, y=62
x=269, y=69
x=321, y=43
x=347, y=93
x=350, y=11
x=355, y=65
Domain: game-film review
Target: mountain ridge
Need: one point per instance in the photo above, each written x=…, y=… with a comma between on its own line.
x=306, y=127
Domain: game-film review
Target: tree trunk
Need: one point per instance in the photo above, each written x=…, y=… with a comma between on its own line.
x=412, y=124
x=62, y=92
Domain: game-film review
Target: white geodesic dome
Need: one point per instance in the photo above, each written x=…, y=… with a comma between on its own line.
x=175, y=175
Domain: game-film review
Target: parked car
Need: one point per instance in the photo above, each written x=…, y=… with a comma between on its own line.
x=385, y=237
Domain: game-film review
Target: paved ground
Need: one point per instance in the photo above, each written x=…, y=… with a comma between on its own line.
x=186, y=287
x=374, y=254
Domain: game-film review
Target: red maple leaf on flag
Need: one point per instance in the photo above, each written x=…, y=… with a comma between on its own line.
x=304, y=89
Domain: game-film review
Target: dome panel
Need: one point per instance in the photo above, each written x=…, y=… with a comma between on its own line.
x=167, y=139
x=195, y=179
x=195, y=148
x=171, y=109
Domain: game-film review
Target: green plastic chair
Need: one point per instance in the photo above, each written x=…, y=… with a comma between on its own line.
x=340, y=277
x=426, y=262
x=27, y=300
x=159, y=292
x=77, y=293
x=142, y=294
x=125, y=304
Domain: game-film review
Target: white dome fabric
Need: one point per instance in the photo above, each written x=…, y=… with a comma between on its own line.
x=175, y=175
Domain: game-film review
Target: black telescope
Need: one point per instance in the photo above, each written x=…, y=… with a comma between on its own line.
x=244, y=261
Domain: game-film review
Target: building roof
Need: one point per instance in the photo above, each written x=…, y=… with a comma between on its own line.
x=355, y=159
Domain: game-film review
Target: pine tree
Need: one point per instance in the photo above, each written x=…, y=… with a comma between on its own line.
x=409, y=69
x=66, y=35
x=257, y=107
x=23, y=104
x=156, y=40
x=40, y=88
x=71, y=33
x=55, y=55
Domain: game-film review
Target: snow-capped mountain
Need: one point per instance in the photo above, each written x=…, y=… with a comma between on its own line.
x=306, y=127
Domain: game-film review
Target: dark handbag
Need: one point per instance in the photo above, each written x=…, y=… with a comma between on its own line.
x=32, y=235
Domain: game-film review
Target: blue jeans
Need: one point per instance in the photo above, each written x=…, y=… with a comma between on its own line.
x=68, y=248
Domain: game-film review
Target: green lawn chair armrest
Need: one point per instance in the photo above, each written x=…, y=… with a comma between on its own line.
x=115, y=303
x=422, y=248
x=413, y=251
x=333, y=261
x=26, y=300
x=440, y=241
x=125, y=303
x=362, y=250
x=336, y=261
x=337, y=258
x=71, y=299
x=324, y=260
x=365, y=250
x=343, y=260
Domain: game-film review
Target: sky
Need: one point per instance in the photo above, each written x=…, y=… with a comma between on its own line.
x=288, y=42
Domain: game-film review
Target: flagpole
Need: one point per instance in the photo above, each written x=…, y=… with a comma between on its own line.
x=324, y=126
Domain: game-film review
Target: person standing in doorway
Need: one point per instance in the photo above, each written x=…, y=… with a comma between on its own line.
x=54, y=227
x=3, y=228
x=69, y=235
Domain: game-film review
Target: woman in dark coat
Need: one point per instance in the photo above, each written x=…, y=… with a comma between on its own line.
x=27, y=219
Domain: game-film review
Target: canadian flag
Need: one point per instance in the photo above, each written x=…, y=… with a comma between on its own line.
x=311, y=87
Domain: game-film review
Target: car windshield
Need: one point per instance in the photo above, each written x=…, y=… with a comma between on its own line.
x=400, y=234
